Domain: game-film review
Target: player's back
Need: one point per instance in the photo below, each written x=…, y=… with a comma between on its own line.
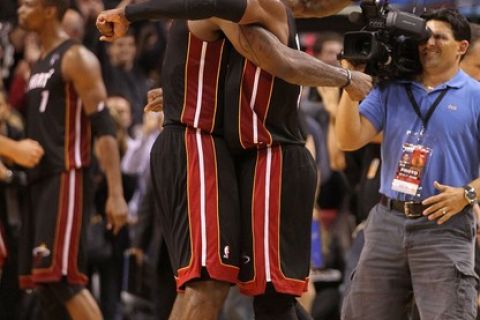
x=55, y=117
x=260, y=109
x=192, y=76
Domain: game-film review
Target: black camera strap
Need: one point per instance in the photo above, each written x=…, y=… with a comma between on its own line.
x=430, y=111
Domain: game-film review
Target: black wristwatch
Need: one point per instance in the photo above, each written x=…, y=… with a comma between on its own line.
x=470, y=194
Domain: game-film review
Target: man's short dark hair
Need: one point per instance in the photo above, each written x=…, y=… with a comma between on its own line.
x=61, y=5
x=458, y=22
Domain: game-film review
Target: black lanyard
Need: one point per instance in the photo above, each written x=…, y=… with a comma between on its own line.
x=430, y=111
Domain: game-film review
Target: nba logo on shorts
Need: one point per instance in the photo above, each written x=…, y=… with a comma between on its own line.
x=39, y=253
x=226, y=252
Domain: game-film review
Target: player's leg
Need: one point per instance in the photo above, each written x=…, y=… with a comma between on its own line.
x=195, y=187
x=83, y=306
x=277, y=260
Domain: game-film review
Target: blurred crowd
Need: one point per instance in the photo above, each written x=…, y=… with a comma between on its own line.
x=123, y=265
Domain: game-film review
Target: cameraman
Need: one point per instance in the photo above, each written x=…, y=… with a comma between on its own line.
x=419, y=238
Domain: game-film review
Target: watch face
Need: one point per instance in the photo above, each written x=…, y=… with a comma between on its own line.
x=470, y=194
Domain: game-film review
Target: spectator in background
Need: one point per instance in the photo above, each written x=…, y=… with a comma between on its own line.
x=74, y=25
x=31, y=53
x=122, y=75
x=471, y=62
x=89, y=9
x=328, y=46
x=7, y=52
x=121, y=111
x=137, y=158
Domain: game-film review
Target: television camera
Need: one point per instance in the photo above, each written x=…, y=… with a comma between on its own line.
x=388, y=42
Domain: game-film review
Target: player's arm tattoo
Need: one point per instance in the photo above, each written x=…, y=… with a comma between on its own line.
x=294, y=66
x=316, y=8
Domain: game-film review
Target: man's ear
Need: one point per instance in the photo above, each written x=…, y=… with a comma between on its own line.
x=463, y=47
x=51, y=12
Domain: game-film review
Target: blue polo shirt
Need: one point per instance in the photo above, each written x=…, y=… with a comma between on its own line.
x=453, y=131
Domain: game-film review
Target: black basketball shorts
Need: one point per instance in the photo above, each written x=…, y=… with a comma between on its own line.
x=196, y=192
x=277, y=193
x=52, y=244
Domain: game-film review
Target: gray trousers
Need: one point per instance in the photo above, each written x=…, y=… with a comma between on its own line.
x=405, y=257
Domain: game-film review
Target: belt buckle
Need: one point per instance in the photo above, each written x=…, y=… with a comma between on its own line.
x=408, y=209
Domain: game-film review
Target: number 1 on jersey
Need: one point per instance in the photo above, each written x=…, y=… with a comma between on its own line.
x=43, y=103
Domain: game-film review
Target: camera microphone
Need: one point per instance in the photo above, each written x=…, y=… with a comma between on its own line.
x=408, y=24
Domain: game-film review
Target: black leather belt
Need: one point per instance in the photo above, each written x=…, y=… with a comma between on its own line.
x=411, y=209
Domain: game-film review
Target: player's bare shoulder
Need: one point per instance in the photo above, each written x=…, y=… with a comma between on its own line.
x=258, y=10
x=79, y=61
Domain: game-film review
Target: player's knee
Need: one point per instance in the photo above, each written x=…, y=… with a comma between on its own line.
x=207, y=293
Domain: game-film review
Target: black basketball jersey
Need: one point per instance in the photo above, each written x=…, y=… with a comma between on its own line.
x=55, y=117
x=192, y=74
x=260, y=109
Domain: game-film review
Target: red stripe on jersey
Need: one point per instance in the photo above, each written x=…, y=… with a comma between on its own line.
x=215, y=266
x=267, y=190
x=256, y=91
x=193, y=198
x=54, y=272
x=202, y=197
x=26, y=282
x=202, y=70
x=211, y=201
x=258, y=283
x=73, y=275
x=70, y=107
x=281, y=283
x=77, y=131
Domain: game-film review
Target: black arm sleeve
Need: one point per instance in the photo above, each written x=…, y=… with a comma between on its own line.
x=102, y=123
x=231, y=10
